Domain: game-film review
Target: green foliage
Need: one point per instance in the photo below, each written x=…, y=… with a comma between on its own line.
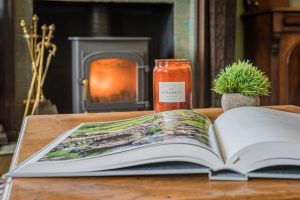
x=203, y=124
x=155, y=130
x=62, y=153
x=105, y=127
x=242, y=77
x=102, y=138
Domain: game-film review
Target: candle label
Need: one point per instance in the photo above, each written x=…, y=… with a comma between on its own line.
x=171, y=91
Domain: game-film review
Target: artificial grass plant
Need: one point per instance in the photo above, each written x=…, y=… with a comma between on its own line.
x=242, y=77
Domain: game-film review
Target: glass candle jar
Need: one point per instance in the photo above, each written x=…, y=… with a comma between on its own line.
x=172, y=84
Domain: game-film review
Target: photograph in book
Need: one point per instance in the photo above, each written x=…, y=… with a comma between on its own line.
x=103, y=138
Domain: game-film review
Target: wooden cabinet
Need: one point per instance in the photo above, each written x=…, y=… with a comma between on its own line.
x=272, y=42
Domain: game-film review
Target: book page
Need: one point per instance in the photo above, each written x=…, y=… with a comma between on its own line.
x=104, y=138
x=239, y=128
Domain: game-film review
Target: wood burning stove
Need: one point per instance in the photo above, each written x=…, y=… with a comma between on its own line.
x=109, y=73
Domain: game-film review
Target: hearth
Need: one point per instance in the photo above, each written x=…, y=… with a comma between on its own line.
x=109, y=73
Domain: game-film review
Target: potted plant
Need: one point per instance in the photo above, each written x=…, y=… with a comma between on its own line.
x=241, y=84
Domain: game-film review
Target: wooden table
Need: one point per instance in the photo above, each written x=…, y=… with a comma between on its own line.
x=38, y=131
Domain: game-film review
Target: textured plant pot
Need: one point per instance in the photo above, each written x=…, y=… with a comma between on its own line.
x=235, y=100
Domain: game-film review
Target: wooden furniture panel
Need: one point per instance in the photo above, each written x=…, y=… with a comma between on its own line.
x=40, y=130
x=222, y=21
x=294, y=75
x=258, y=29
x=289, y=69
x=271, y=41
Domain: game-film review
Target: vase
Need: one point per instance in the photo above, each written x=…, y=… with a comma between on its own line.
x=235, y=100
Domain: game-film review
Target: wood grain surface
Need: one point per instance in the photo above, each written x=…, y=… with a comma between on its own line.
x=40, y=130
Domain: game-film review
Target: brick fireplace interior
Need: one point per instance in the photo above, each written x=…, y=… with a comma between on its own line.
x=90, y=19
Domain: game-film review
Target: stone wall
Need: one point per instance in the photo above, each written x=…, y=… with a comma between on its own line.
x=22, y=10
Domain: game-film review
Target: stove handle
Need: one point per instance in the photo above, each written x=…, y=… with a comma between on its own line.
x=85, y=84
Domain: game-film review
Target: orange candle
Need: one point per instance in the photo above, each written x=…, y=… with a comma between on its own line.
x=172, y=84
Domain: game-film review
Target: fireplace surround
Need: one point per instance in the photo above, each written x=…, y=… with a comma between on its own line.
x=109, y=73
x=175, y=35
x=203, y=30
x=103, y=19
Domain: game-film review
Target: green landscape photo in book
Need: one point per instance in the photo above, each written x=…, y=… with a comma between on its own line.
x=94, y=139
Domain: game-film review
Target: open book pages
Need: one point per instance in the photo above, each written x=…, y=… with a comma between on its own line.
x=253, y=137
x=241, y=140
x=179, y=135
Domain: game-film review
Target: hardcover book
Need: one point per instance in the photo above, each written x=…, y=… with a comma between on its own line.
x=243, y=142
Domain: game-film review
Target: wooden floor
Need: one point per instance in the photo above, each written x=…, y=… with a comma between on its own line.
x=4, y=166
x=5, y=163
x=6, y=153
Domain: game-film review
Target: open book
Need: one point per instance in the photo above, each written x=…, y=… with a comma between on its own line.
x=242, y=142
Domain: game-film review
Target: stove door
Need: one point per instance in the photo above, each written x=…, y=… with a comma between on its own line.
x=114, y=81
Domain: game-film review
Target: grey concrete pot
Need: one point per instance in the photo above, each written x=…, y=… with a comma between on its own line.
x=234, y=100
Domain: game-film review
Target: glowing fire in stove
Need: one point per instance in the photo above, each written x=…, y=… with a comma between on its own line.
x=113, y=80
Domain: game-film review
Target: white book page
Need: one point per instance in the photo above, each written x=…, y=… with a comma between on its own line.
x=239, y=128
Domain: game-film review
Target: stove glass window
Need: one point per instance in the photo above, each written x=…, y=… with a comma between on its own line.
x=113, y=80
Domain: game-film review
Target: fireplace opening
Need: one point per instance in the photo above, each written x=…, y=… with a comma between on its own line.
x=113, y=80
x=100, y=19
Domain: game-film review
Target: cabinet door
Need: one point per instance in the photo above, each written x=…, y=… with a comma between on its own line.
x=289, y=69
